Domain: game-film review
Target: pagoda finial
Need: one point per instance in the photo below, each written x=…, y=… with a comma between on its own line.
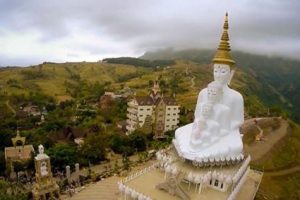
x=223, y=56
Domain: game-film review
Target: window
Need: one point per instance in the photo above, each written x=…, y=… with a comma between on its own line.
x=174, y=114
x=169, y=108
x=175, y=108
x=141, y=115
x=216, y=183
x=210, y=182
x=148, y=108
x=221, y=185
x=167, y=125
x=141, y=109
x=168, y=120
x=173, y=119
x=169, y=114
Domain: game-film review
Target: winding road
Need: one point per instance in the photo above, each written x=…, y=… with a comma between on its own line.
x=192, y=78
x=283, y=172
x=259, y=149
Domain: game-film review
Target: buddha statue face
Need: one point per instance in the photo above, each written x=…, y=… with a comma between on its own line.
x=222, y=73
x=214, y=92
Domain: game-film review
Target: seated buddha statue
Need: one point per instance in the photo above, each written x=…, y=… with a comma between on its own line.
x=218, y=115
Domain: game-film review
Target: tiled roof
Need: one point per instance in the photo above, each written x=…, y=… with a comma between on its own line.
x=147, y=100
x=144, y=100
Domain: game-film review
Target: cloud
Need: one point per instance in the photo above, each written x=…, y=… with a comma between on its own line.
x=89, y=29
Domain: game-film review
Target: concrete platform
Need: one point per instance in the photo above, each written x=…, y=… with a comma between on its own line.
x=146, y=183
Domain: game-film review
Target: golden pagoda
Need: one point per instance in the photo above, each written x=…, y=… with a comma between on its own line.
x=222, y=55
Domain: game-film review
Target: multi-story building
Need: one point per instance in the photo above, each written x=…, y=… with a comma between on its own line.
x=155, y=112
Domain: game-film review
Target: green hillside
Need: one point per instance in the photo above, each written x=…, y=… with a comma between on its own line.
x=87, y=80
x=278, y=78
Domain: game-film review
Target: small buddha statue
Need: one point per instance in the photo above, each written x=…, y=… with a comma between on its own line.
x=211, y=123
x=44, y=169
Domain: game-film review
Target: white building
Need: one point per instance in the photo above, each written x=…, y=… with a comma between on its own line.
x=155, y=111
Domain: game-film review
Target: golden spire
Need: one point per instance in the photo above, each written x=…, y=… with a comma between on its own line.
x=223, y=56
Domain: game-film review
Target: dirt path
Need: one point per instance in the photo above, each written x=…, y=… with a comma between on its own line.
x=284, y=171
x=10, y=108
x=192, y=81
x=260, y=148
x=192, y=78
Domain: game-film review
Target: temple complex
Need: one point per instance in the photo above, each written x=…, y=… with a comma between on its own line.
x=206, y=159
x=45, y=186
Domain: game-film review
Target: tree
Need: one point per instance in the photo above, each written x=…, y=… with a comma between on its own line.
x=2, y=163
x=94, y=148
x=120, y=144
x=126, y=162
x=62, y=154
x=138, y=141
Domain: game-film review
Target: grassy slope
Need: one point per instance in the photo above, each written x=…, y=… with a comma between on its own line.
x=283, y=157
x=54, y=76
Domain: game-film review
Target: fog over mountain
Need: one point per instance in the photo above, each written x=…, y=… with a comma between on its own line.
x=34, y=31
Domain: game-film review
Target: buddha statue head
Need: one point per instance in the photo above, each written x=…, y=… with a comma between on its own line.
x=222, y=73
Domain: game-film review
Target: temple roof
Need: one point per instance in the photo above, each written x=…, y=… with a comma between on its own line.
x=148, y=101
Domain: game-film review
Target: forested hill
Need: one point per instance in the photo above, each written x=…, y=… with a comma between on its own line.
x=139, y=62
x=277, y=75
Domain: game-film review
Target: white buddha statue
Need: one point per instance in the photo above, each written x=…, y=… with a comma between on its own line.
x=230, y=97
x=219, y=114
x=41, y=149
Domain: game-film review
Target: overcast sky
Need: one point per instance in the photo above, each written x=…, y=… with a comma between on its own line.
x=33, y=31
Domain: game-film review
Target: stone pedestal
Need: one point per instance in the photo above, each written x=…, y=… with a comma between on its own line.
x=77, y=171
x=68, y=173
